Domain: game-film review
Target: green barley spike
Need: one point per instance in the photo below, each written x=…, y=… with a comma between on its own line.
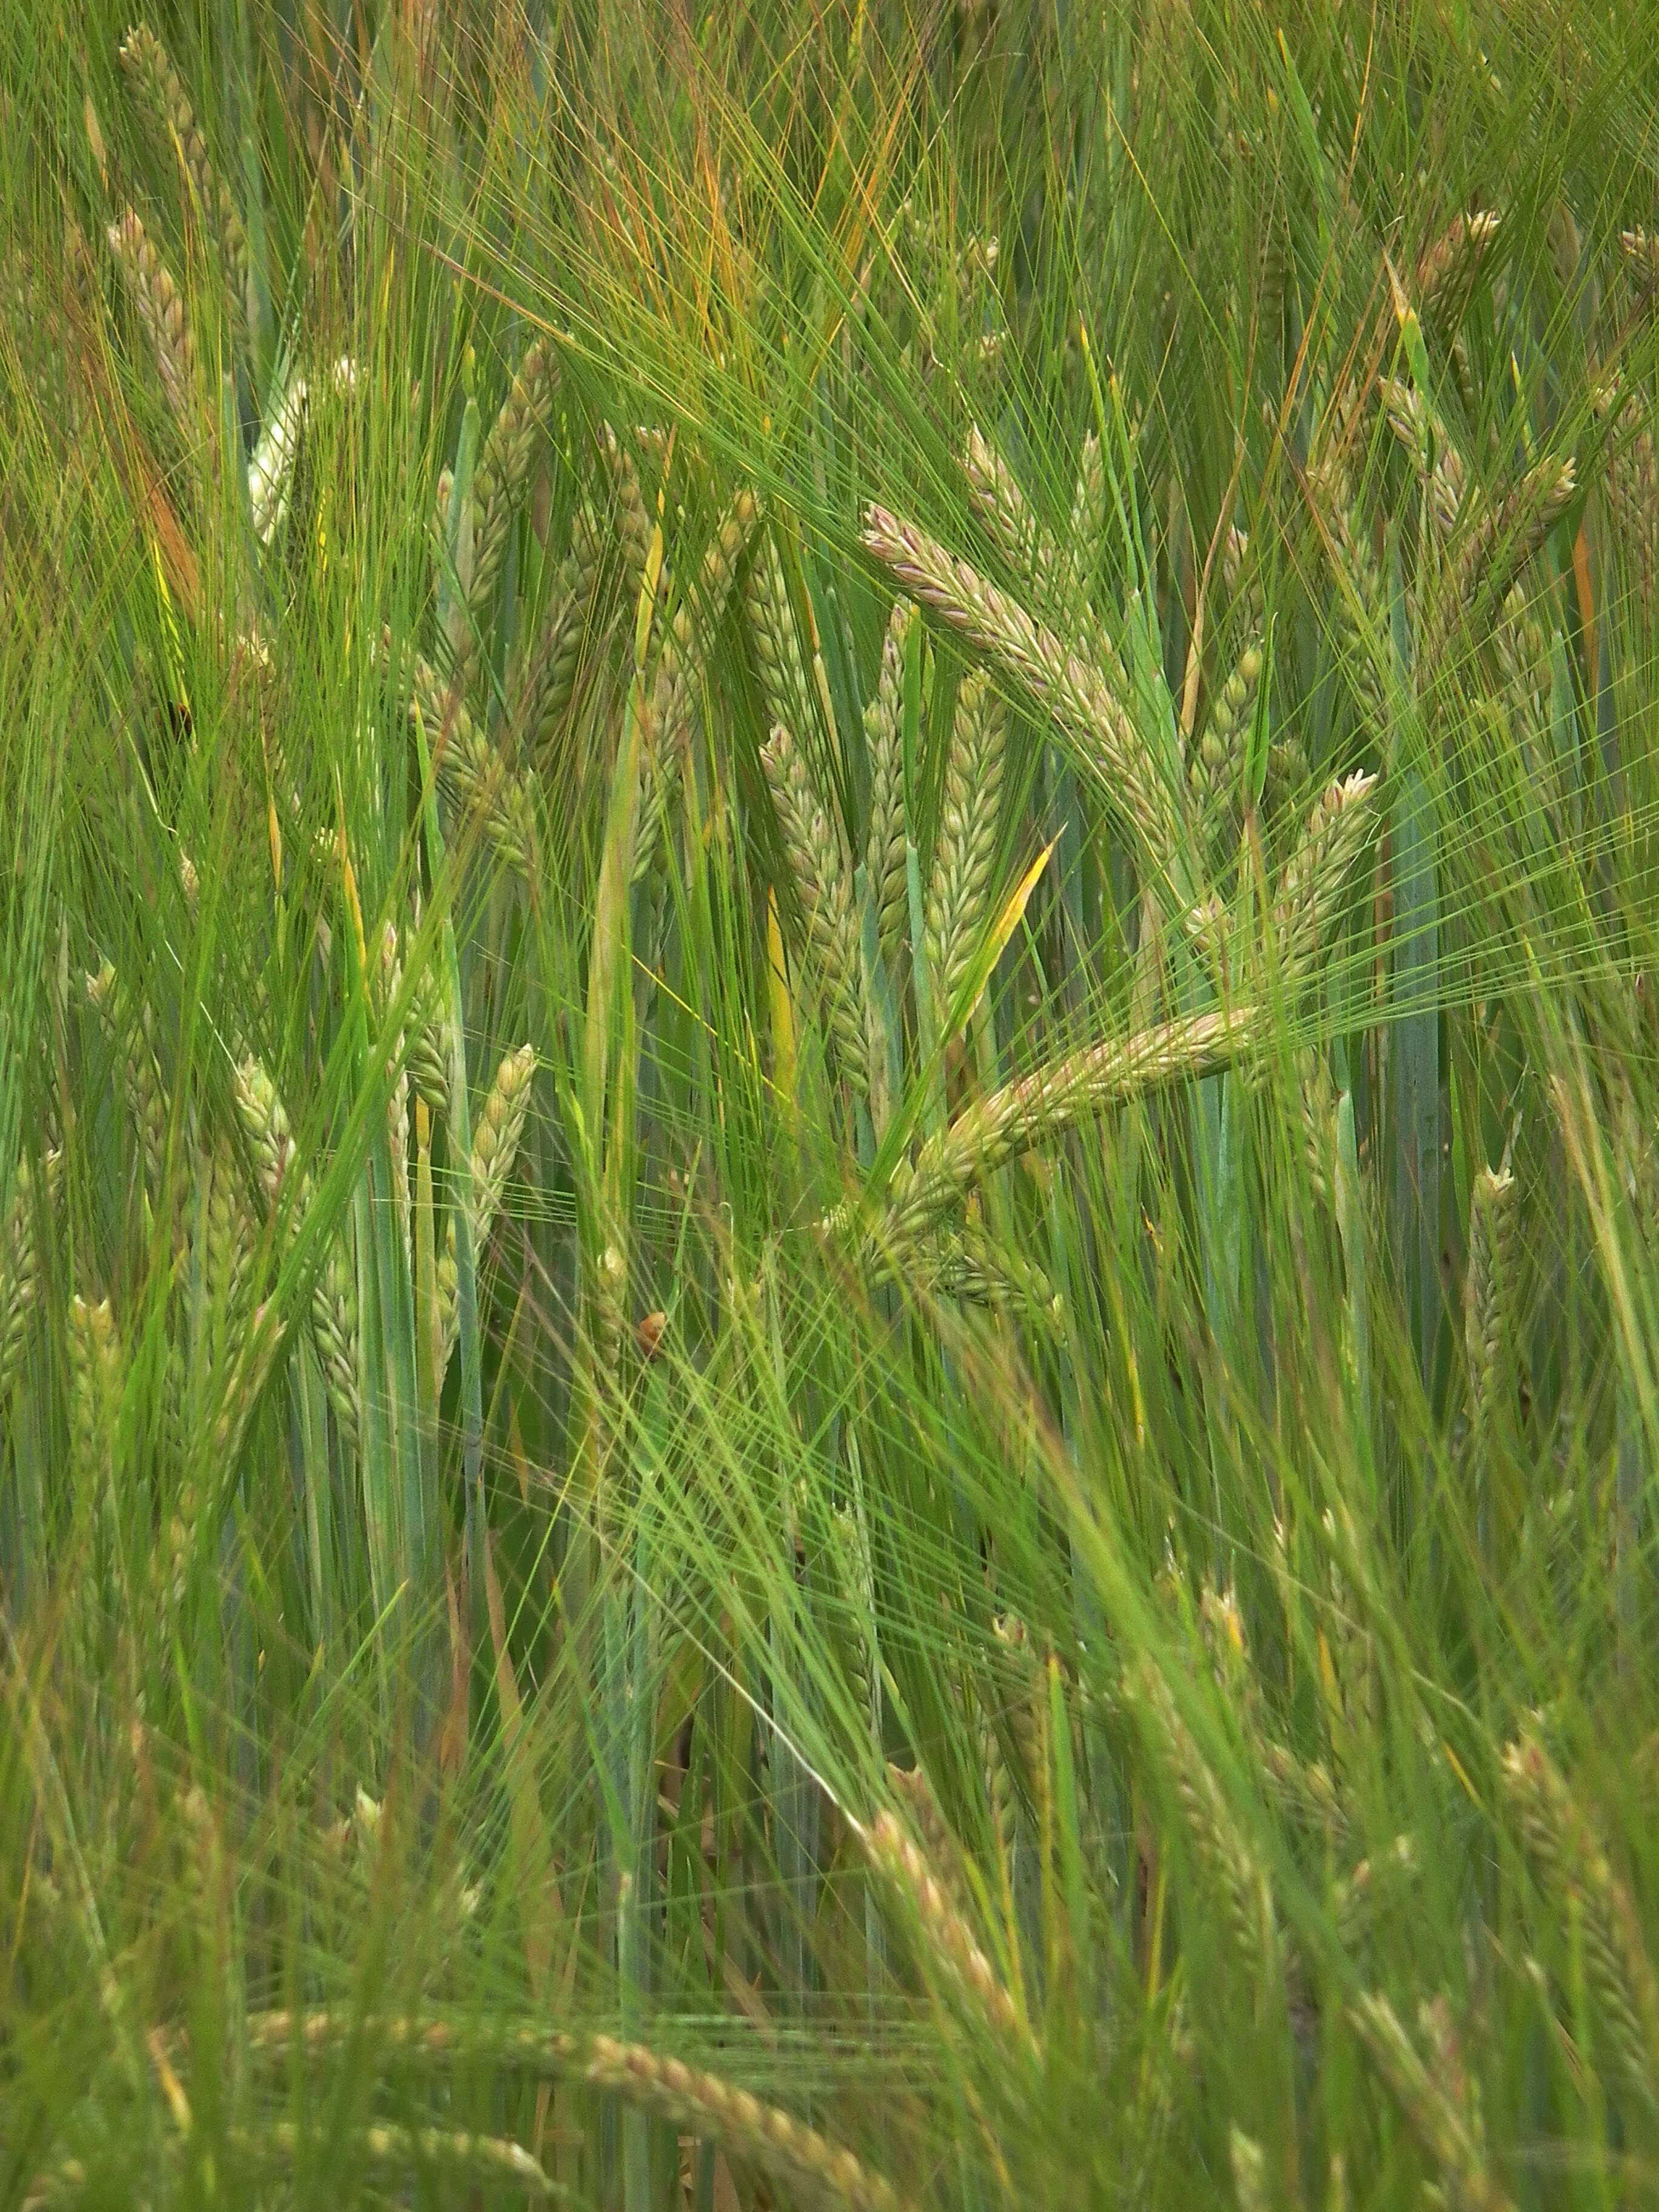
x=634, y=521
x=430, y=1043
x=131, y=1029
x=883, y=730
x=504, y=467
x=818, y=862
x=785, y=685
x=157, y=85
x=334, y=1329
x=1217, y=767
x=1087, y=507
x=19, y=1267
x=960, y=884
x=161, y=309
x=495, y=1138
x=549, y=681
x=264, y=1125
x=96, y=1387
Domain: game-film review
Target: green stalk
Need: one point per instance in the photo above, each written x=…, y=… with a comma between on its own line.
x=460, y=1153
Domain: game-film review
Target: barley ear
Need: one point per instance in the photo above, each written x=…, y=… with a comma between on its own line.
x=264, y=1126
x=334, y=1330
x=131, y=1029
x=96, y=1383
x=948, y=1946
x=504, y=467
x=1338, y=829
x=1445, y=2129
x=1447, y=273
x=785, y=685
x=160, y=309
x=496, y=1138
x=1216, y=771
x=273, y=462
x=20, y=1266
x=1580, y=1884
x=1227, y=1860
x=818, y=863
x=633, y=524
x=1088, y=698
x=813, y=2170
x=482, y=784
x=960, y=884
x=1488, y=1320
x=1016, y=531
x=884, y=733
x=158, y=87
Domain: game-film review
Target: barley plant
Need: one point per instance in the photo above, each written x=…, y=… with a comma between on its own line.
x=828, y=1105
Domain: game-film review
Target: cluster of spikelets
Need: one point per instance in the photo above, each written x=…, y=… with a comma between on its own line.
x=945, y=1901
x=232, y=1188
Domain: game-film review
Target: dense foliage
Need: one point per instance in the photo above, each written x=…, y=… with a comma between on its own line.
x=828, y=1117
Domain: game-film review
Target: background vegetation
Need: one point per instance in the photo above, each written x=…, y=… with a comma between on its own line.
x=828, y=1105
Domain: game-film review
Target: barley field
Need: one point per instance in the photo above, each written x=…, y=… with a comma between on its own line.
x=829, y=1104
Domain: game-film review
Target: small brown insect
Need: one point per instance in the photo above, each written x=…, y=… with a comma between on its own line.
x=648, y=1334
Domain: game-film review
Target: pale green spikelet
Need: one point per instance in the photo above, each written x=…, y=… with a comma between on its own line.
x=131, y=1029
x=668, y=722
x=1021, y=1708
x=264, y=1125
x=483, y=786
x=334, y=1329
x=1630, y=488
x=1224, y=1856
x=1017, y=534
x=430, y=1042
x=1434, y=2100
x=396, y=1104
x=974, y=1266
x=914, y=1791
x=20, y=1266
x=272, y=465
x=1488, y=1320
x=1418, y=425
x=722, y=555
x=157, y=84
x=496, y=1138
x=1087, y=697
x=549, y=682
x=1526, y=653
x=1359, y=605
x=1450, y=266
x=1505, y=536
x=161, y=309
x=1088, y=522
x=785, y=685
x=504, y=465
x=1586, y=1894
x=818, y=862
x=884, y=739
x=1216, y=771
x=97, y=1379
x=1041, y=1105
x=495, y=1135
x=1242, y=579
x=227, y=1255
x=960, y=882
x=1339, y=828
x=948, y=1944
x=633, y=524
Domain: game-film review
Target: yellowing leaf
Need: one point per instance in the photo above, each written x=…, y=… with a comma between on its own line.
x=990, y=951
